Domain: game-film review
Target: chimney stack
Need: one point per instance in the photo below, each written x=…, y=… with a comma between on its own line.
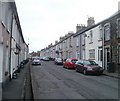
x=61, y=38
x=80, y=27
x=90, y=21
x=56, y=42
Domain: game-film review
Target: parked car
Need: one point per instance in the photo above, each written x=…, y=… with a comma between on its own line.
x=36, y=62
x=70, y=63
x=88, y=66
x=58, y=61
x=46, y=59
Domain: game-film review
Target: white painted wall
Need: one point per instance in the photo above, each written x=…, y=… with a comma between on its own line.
x=13, y=57
x=96, y=43
x=1, y=62
x=15, y=39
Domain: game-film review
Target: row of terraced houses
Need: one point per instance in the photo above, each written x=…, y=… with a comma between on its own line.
x=99, y=42
x=13, y=48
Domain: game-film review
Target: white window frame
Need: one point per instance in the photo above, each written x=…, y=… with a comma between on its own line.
x=100, y=33
x=92, y=54
x=70, y=42
x=91, y=36
x=77, y=41
x=83, y=38
x=107, y=35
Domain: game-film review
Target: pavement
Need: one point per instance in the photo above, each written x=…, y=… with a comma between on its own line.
x=21, y=87
x=114, y=74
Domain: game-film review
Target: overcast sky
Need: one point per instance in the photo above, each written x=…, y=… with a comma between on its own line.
x=44, y=21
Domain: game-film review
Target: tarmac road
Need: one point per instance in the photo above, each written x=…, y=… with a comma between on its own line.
x=50, y=81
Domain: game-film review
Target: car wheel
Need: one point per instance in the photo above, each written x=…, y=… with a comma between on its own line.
x=63, y=66
x=76, y=69
x=67, y=67
x=84, y=72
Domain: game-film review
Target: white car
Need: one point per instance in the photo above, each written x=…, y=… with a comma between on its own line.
x=36, y=62
x=58, y=61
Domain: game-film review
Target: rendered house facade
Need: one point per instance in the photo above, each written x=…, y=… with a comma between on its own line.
x=13, y=48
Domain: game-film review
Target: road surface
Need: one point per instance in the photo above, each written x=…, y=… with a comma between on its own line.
x=52, y=81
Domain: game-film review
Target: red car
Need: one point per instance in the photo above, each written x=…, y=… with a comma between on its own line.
x=88, y=66
x=70, y=63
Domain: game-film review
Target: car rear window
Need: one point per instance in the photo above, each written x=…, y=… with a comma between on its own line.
x=74, y=61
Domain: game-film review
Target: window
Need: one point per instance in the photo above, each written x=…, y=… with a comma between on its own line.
x=91, y=36
x=118, y=28
x=100, y=34
x=92, y=54
x=107, y=32
x=83, y=54
x=100, y=54
x=67, y=43
x=7, y=60
x=70, y=43
x=64, y=44
x=60, y=46
x=83, y=39
x=77, y=41
x=77, y=55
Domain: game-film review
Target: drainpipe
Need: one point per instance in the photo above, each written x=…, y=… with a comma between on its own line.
x=103, y=61
x=10, y=76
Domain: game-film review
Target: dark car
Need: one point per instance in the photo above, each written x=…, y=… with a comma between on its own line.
x=88, y=66
x=70, y=63
x=58, y=61
x=36, y=62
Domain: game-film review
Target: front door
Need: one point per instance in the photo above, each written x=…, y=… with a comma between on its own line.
x=107, y=57
x=100, y=56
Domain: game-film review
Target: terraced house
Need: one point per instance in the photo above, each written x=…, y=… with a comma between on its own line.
x=112, y=40
x=13, y=48
x=88, y=43
x=99, y=42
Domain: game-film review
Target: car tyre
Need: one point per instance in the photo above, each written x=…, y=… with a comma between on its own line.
x=76, y=69
x=84, y=72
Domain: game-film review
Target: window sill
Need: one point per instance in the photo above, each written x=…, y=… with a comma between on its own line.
x=91, y=59
x=106, y=40
x=90, y=42
x=83, y=44
x=99, y=40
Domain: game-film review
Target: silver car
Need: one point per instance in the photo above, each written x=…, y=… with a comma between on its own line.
x=36, y=62
x=58, y=61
